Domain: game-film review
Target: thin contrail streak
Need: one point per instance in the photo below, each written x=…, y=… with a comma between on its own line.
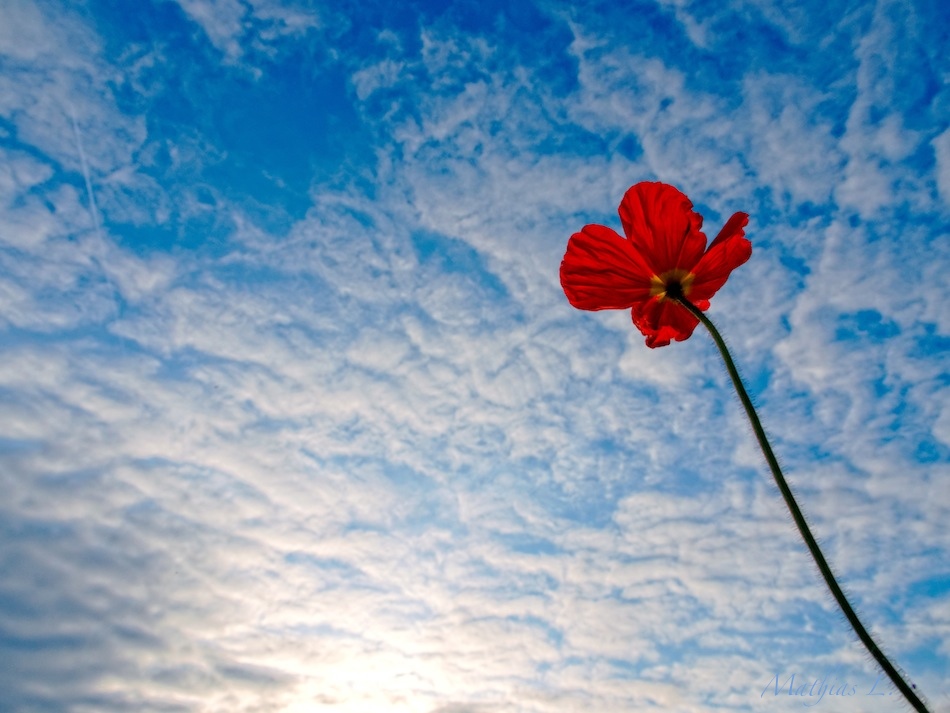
x=85, y=172
x=94, y=210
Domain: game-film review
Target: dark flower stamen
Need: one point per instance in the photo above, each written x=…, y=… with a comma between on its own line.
x=674, y=290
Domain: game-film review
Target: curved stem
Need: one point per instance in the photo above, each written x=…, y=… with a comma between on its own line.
x=839, y=595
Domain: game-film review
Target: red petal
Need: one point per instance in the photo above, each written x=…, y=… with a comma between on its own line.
x=661, y=321
x=601, y=270
x=728, y=251
x=734, y=226
x=658, y=219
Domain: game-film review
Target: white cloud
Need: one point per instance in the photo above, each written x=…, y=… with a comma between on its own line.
x=941, y=146
x=323, y=469
x=876, y=139
x=793, y=151
x=378, y=76
x=697, y=30
x=234, y=25
x=222, y=21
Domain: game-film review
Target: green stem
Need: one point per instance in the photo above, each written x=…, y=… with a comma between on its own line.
x=839, y=595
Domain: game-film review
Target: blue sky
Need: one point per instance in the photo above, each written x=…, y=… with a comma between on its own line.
x=296, y=417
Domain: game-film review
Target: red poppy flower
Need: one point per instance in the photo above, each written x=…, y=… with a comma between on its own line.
x=663, y=257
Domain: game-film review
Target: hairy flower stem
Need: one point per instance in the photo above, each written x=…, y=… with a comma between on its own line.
x=839, y=595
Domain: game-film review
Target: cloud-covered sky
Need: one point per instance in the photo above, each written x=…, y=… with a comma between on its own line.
x=295, y=415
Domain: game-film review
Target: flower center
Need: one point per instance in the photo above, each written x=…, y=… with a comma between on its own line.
x=671, y=285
